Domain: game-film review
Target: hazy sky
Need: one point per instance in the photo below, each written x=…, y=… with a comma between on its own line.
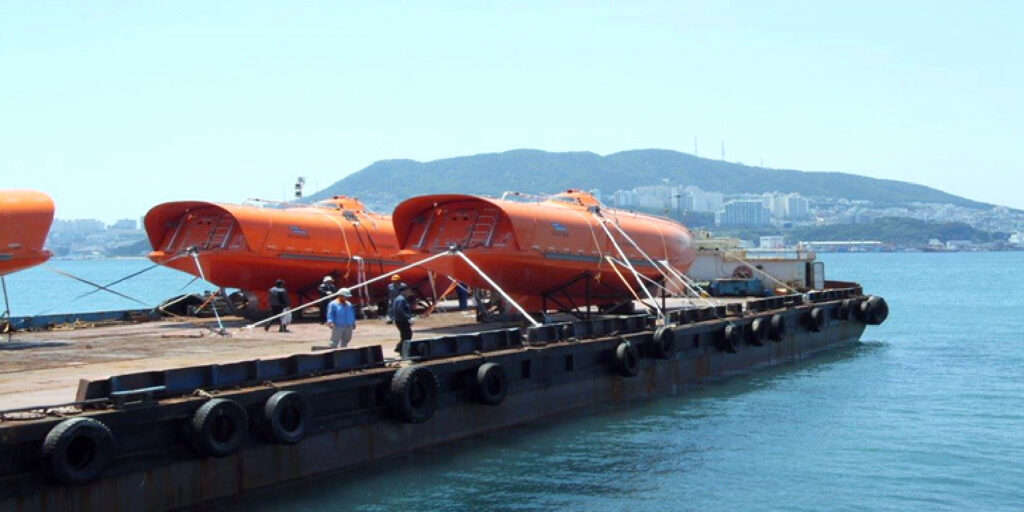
x=112, y=108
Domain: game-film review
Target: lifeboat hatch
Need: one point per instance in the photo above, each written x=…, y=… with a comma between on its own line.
x=466, y=226
x=204, y=230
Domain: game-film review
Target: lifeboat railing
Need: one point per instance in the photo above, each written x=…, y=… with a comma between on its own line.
x=508, y=194
x=259, y=203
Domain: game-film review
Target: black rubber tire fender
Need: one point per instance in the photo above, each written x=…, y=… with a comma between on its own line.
x=491, y=384
x=731, y=338
x=759, y=330
x=846, y=310
x=219, y=427
x=286, y=417
x=414, y=391
x=627, y=360
x=77, y=451
x=663, y=343
x=876, y=310
x=778, y=327
x=816, y=320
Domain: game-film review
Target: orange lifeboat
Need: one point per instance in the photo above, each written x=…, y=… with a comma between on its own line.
x=249, y=247
x=25, y=220
x=550, y=253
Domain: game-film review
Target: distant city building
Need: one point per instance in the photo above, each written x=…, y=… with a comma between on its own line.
x=77, y=226
x=772, y=242
x=125, y=224
x=684, y=201
x=777, y=204
x=797, y=207
x=655, y=197
x=704, y=201
x=623, y=198
x=743, y=213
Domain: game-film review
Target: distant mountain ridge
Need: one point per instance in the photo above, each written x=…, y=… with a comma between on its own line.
x=385, y=183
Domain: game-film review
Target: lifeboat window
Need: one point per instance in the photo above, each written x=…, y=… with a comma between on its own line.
x=350, y=216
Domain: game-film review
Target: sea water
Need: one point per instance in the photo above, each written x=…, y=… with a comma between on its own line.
x=48, y=289
x=925, y=413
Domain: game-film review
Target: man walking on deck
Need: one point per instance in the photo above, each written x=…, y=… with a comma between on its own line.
x=393, y=287
x=278, y=298
x=341, y=318
x=326, y=289
x=401, y=314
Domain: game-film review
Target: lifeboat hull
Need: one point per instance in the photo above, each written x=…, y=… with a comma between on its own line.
x=547, y=255
x=25, y=220
x=249, y=248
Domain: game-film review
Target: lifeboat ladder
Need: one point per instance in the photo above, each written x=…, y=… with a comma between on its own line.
x=483, y=230
x=220, y=234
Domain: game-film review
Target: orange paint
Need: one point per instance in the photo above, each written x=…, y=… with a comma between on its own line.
x=533, y=248
x=249, y=247
x=25, y=220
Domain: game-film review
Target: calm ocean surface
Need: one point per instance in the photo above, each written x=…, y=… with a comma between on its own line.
x=926, y=413
x=41, y=290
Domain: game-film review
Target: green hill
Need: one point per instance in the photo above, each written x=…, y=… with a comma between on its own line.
x=385, y=183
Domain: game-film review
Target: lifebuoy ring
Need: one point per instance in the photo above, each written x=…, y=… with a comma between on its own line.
x=627, y=360
x=219, y=427
x=77, y=451
x=286, y=417
x=778, y=327
x=743, y=272
x=491, y=384
x=414, y=392
x=664, y=342
x=816, y=320
x=731, y=338
x=759, y=331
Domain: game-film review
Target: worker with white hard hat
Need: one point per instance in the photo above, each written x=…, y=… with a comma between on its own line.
x=326, y=289
x=341, y=318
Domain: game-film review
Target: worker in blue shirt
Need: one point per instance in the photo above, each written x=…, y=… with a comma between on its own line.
x=401, y=314
x=341, y=318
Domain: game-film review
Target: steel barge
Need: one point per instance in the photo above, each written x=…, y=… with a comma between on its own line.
x=194, y=436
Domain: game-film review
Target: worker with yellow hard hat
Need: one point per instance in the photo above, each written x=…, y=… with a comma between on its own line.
x=394, y=288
